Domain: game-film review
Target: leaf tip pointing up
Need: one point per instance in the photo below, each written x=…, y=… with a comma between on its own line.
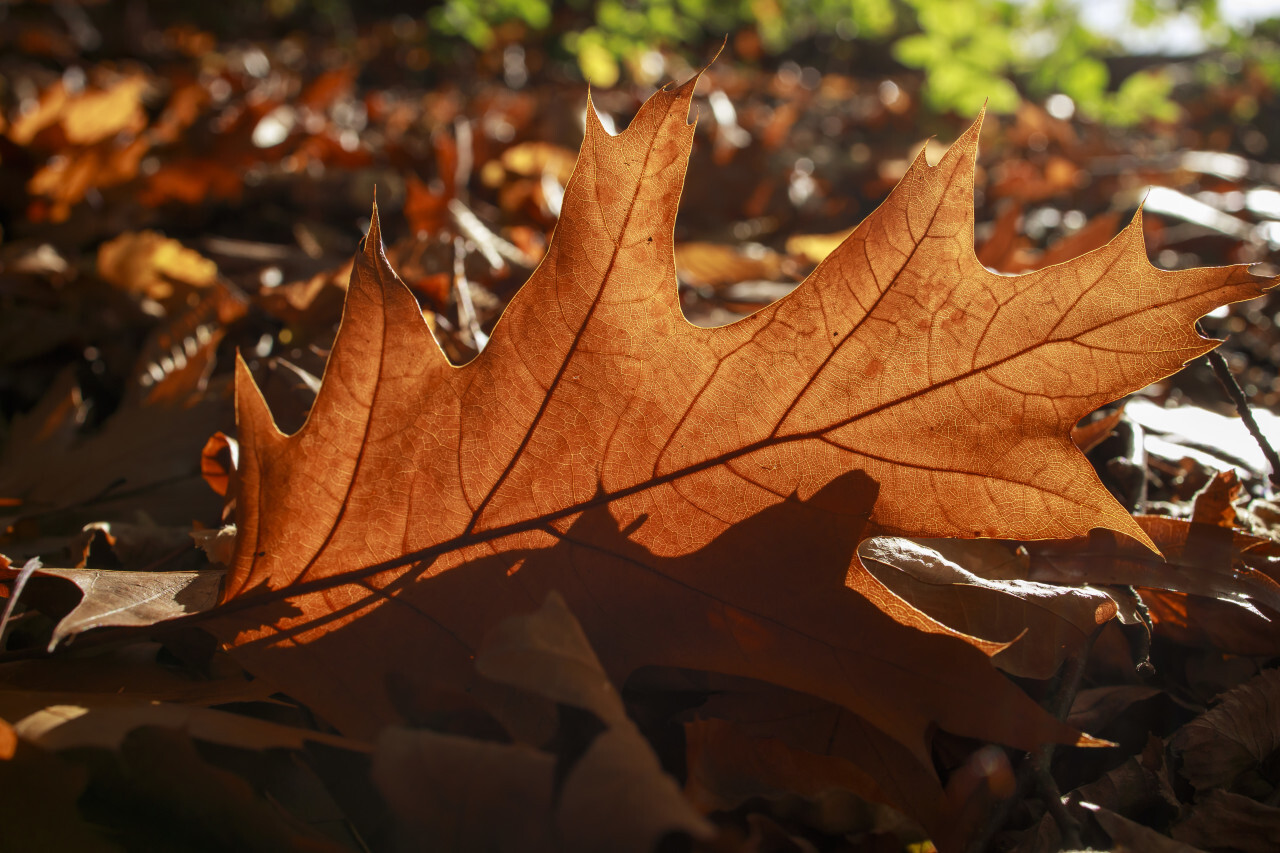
x=714, y=57
x=253, y=415
x=372, y=243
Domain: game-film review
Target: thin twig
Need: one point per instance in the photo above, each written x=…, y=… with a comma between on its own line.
x=1229, y=384
x=1068, y=826
x=1063, y=697
x=1070, y=676
x=466, y=309
x=1034, y=769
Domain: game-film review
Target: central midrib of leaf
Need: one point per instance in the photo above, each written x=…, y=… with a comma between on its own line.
x=472, y=536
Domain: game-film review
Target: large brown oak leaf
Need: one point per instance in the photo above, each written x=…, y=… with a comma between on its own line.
x=696, y=495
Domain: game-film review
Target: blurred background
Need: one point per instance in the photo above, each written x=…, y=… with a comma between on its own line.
x=178, y=181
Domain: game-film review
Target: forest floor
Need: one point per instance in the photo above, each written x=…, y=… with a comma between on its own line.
x=170, y=195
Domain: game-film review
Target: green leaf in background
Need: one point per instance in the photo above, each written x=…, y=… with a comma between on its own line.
x=970, y=51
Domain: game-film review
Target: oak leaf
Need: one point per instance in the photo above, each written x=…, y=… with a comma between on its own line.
x=696, y=495
x=125, y=598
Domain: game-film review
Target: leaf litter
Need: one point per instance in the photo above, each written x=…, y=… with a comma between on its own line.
x=763, y=739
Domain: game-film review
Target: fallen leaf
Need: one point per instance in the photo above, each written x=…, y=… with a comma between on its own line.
x=1209, y=623
x=1141, y=784
x=128, y=674
x=123, y=545
x=88, y=117
x=715, y=264
x=151, y=264
x=1008, y=250
x=1238, y=735
x=65, y=180
x=8, y=741
x=123, y=598
x=1129, y=835
x=1230, y=822
x=1090, y=435
x=1095, y=707
x=612, y=795
x=164, y=773
x=1137, y=789
x=767, y=835
x=727, y=767
x=39, y=809
x=193, y=181
x=815, y=247
x=1215, y=503
x=533, y=159
x=218, y=461
x=1041, y=623
x=103, y=723
x=1200, y=559
x=426, y=211
x=448, y=790
x=218, y=545
x=767, y=733
x=1004, y=242
x=179, y=356
x=696, y=494
x=146, y=454
x=1094, y=234
x=1027, y=181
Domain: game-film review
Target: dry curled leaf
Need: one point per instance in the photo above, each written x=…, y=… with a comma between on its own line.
x=85, y=117
x=151, y=264
x=1215, y=503
x=715, y=265
x=123, y=598
x=611, y=794
x=1206, y=560
x=53, y=473
x=766, y=733
x=39, y=809
x=1041, y=623
x=1129, y=835
x=1227, y=821
x=1240, y=734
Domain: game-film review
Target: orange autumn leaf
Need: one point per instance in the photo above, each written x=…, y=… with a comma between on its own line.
x=696, y=495
x=8, y=741
x=149, y=263
x=85, y=117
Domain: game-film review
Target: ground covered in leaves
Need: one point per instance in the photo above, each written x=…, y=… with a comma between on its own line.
x=172, y=195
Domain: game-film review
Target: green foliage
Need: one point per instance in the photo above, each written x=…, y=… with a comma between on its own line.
x=998, y=49
x=971, y=51
x=965, y=51
x=1260, y=49
x=474, y=19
